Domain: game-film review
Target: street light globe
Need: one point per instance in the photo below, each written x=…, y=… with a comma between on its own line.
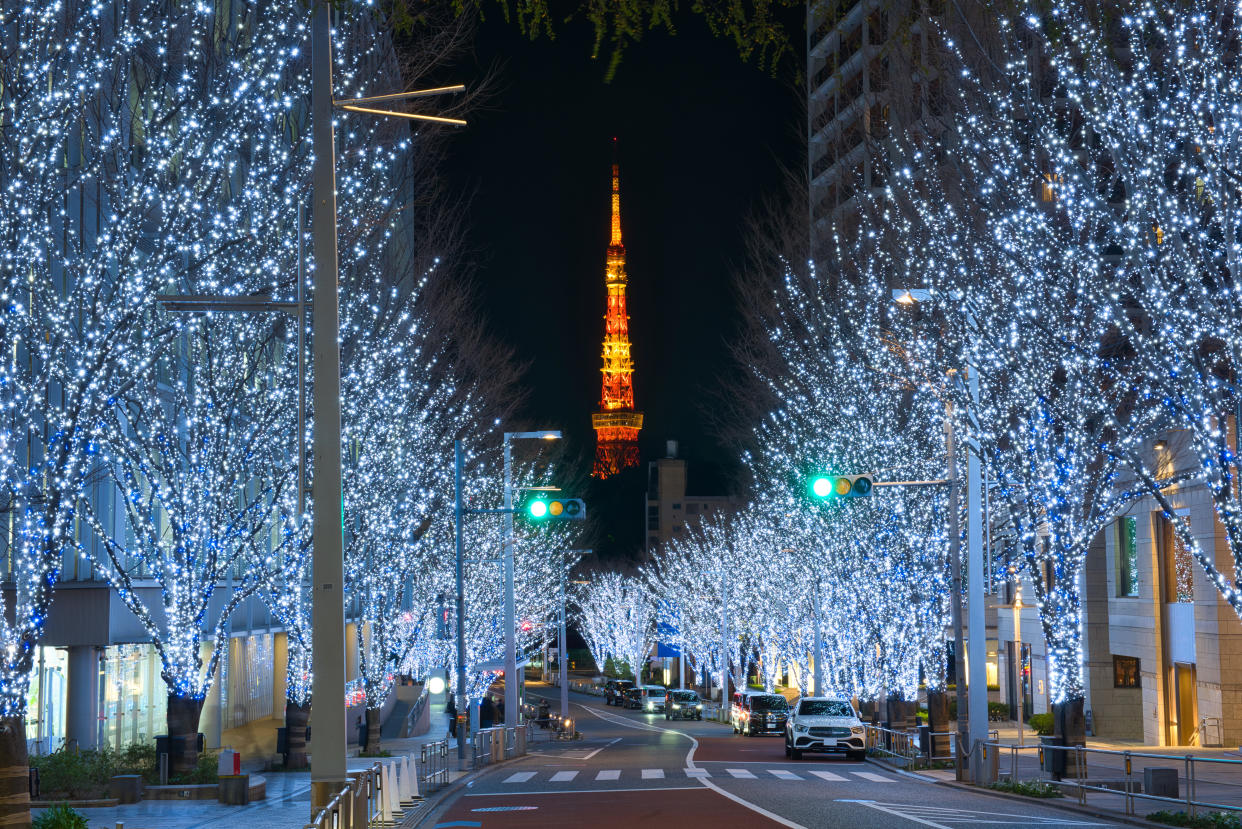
x=436, y=685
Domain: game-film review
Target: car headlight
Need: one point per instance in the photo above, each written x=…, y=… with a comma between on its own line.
x=699, y=706
x=801, y=729
x=676, y=707
x=857, y=729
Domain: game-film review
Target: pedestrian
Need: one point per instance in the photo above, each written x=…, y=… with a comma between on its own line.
x=500, y=710
x=451, y=710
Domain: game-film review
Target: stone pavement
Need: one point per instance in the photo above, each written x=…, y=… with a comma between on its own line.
x=288, y=793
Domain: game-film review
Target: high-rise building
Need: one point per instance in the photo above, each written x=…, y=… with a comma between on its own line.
x=616, y=423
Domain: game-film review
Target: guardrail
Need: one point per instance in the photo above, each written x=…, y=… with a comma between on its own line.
x=897, y=745
x=1209, y=783
x=416, y=711
x=356, y=805
x=491, y=745
x=433, y=766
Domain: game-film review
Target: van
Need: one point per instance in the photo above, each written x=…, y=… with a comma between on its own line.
x=758, y=712
x=647, y=698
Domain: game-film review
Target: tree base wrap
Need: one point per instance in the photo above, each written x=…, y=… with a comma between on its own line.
x=1069, y=726
x=14, y=773
x=183, y=715
x=374, y=721
x=938, y=722
x=296, y=718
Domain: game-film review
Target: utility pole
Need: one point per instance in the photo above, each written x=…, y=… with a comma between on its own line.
x=463, y=704
x=328, y=566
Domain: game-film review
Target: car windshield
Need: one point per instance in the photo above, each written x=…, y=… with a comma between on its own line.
x=685, y=696
x=825, y=708
x=769, y=702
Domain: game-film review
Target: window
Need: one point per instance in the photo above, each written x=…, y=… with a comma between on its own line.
x=676, y=506
x=1126, y=672
x=1126, y=550
x=1178, y=565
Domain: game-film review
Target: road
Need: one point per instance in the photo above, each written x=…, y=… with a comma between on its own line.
x=639, y=770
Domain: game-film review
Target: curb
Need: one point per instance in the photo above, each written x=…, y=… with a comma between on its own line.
x=1054, y=802
x=437, y=800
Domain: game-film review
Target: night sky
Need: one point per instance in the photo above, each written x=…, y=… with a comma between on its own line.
x=703, y=139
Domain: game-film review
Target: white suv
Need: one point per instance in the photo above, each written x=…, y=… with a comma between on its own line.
x=824, y=724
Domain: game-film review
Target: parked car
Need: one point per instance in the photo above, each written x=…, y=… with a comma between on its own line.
x=614, y=691
x=647, y=698
x=827, y=725
x=683, y=705
x=757, y=712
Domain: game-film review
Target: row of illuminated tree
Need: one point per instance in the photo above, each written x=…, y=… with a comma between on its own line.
x=149, y=150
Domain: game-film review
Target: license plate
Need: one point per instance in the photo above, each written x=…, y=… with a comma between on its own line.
x=830, y=741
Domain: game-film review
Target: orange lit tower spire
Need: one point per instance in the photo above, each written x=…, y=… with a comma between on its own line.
x=616, y=423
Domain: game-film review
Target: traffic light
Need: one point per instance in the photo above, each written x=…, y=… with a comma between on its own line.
x=824, y=487
x=554, y=509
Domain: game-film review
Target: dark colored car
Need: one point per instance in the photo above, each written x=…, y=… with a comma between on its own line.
x=633, y=698
x=755, y=712
x=614, y=691
x=679, y=705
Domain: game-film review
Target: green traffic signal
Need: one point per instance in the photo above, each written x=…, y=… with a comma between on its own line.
x=824, y=487
x=555, y=509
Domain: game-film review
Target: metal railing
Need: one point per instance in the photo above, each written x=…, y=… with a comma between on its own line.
x=416, y=711
x=893, y=744
x=433, y=766
x=491, y=745
x=356, y=805
x=1069, y=766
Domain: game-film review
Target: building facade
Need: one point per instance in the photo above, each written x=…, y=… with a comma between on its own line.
x=670, y=510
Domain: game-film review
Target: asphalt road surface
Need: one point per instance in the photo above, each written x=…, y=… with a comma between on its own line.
x=638, y=770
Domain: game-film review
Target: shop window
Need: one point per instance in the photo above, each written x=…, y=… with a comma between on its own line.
x=1126, y=672
x=1126, y=549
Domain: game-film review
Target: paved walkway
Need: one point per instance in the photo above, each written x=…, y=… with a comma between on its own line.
x=288, y=793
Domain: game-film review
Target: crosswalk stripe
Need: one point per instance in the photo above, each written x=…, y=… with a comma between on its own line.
x=608, y=774
x=564, y=776
x=874, y=778
x=653, y=774
x=697, y=773
x=827, y=775
x=742, y=774
x=520, y=777
x=782, y=774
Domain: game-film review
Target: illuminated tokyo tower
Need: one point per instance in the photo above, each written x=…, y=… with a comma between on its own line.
x=616, y=423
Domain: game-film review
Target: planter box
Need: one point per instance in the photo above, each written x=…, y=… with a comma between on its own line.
x=101, y=803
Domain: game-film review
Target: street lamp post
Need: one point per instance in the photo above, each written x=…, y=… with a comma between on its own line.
x=1017, y=643
x=563, y=657
x=975, y=729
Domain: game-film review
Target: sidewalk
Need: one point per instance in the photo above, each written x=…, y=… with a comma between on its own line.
x=288, y=793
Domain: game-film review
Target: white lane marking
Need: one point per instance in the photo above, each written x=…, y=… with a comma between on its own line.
x=601, y=748
x=564, y=776
x=741, y=774
x=782, y=774
x=520, y=777
x=653, y=774
x=700, y=773
x=919, y=814
x=694, y=744
x=827, y=775
x=873, y=777
x=608, y=774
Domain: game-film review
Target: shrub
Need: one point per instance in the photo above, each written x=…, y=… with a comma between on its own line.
x=59, y=816
x=1042, y=724
x=1028, y=788
x=998, y=711
x=1214, y=820
x=75, y=775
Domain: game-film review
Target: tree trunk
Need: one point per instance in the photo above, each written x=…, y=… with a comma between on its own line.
x=373, y=731
x=1069, y=728
x=14, y=773
x=296, y=718
x=183, y=714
